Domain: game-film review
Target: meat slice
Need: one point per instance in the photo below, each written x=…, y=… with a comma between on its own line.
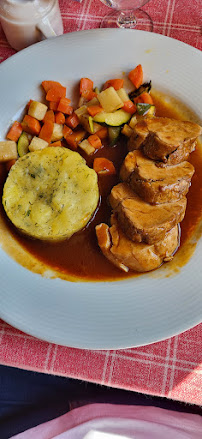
x=141, y=221
x=166, y=140
x=126, y=254
x=156, y=185
x=137, y=138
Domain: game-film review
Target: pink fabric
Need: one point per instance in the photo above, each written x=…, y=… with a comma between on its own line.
x=118, y=421
x=170, y=368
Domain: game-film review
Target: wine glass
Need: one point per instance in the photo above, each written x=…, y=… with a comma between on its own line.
x=126, y=14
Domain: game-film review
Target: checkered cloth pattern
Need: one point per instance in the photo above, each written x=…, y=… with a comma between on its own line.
x=170, y=368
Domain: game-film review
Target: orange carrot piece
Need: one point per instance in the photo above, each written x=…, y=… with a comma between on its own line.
x=63, y=105
x=137, y=100
x=15, y=131
x=55, y=94
x=74, y=139
x=136, y=76
x=85, y=84
x=69, y=110
x=102, y=133
x=31, y=125
x=49, y=116
x=129, y=107
x=53, y=105
x=101, y=165
x=67, y=131
x=89, y=94
x=10, y=163
x=146, y=98
x=57, y=143
x=95, y=141
x=47, y=131
x=60, y=118
x=47, y=85
x=72, y=121
x=116, y=83
x=94, y=109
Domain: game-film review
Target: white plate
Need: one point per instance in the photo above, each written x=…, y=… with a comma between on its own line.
x=103, y=315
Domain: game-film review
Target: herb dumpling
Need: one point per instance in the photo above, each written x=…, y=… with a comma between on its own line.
x=50, y=194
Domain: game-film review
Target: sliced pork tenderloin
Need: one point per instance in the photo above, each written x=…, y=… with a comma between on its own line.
x=126, y=254
x=153, y=184
x=143, y=222
x=165, y=140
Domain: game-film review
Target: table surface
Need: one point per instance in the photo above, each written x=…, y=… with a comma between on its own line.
x=170, y=368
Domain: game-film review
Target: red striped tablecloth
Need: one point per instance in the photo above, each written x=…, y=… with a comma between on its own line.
x=170, y=368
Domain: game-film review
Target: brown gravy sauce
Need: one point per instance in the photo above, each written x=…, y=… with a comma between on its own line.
x=79, y=258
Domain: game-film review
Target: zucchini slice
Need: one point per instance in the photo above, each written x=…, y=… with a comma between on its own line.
x=115, y=119
x=23, y=144
x=113, y=133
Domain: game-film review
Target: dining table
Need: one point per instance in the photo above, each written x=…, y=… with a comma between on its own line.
x=171, y=368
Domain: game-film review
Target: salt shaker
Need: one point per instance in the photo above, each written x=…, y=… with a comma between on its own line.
x=26, y=22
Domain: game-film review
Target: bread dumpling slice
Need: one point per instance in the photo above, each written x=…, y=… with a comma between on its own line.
x=50, y=194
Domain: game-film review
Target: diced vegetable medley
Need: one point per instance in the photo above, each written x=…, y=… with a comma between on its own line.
x=101, y=117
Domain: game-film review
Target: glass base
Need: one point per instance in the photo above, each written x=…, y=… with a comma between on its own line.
x=136, y=19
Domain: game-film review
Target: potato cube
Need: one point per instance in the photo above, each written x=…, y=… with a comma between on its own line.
x=8, y=150
x=133, y=121
x=123, y=95
x=57, y=132
x=37, y=110
x=82, y=101
x=110, y=100
x=87, y=147
x=37, y=143
x=81, y=110
x=127, y=131
x=93, y=101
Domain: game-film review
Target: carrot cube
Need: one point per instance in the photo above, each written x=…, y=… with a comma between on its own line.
x=146, y=98
x=60, y=118
x=67, y=131
x=15, y=131
x=53, y=105
x=31, y=125
x=102, y=133
x=88, y=94
x=129, y=107
x=55, y=94
x=47, y=85
x=47, y=131
x=49, y=116
x=63, y=105
x=95, y=141
x=94, y=109
x=85, y=84
x=136, y=76
x=101, y=165
x=72, y=121
x=74, y=139
x=116, y=83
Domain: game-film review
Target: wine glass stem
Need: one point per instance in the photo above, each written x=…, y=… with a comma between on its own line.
x=126, y=19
